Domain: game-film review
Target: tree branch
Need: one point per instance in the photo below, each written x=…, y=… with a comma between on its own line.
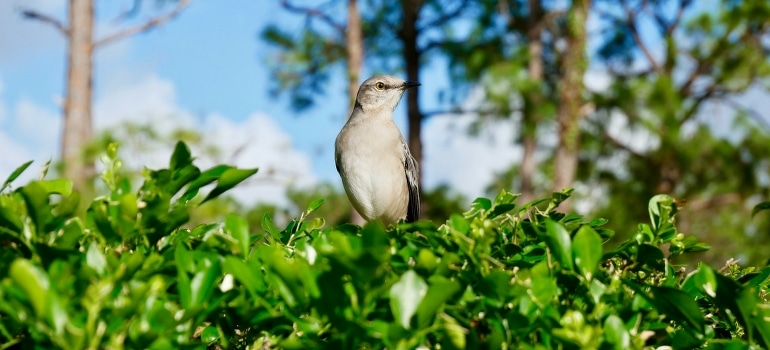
x=615, y=142
x=30, y=14
x=445, y=17
x=678, y=19
x=143, y=27
x=314, y=12
x=752, y=113
x=631, y=20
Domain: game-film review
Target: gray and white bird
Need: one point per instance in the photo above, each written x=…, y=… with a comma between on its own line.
x=378, y=172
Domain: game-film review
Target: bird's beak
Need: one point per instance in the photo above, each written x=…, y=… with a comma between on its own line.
x=409, y=84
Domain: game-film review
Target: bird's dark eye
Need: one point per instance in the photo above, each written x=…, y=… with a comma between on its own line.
x=379, y=86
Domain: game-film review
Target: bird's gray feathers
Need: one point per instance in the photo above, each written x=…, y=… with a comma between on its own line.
x=413, y=182
x=378, y=172
x=380, y=93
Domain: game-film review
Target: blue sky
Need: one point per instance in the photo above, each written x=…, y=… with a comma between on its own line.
x=208, y=70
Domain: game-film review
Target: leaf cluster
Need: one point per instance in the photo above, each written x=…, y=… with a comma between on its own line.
x=131, y=274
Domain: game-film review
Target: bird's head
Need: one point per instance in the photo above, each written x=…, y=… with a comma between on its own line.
x=382, y=92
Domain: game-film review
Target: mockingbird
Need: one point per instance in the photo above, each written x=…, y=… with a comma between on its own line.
x=378, y=172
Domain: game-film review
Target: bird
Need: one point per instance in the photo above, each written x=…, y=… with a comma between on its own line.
x=379, y=174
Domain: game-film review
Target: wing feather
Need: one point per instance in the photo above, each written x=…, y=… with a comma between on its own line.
x=412, y=174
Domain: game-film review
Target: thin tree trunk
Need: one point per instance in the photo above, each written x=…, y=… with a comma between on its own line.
x=570, y=113
x=354, y=41
x=411, y=57
x=532, y=101
x=77, y=105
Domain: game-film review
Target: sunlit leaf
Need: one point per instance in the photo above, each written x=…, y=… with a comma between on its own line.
x=587, y=250
x=405, y=297
x=229, y=179
x=15, y=174
x=559, y=242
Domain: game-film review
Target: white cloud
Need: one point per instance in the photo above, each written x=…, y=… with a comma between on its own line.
x=3, y=109
x=38, y=124
x=32, y=132
x=29, y=133
x=467, y=163
x=28, y=36
x=257, y=141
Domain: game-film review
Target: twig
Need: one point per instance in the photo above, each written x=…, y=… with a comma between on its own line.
x=30, y=14
x=149, y=24
x=752, y=113
x=313, y=12
x=630, y=17
x=445, y=17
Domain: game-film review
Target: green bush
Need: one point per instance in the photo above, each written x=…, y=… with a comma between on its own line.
x=129, y=274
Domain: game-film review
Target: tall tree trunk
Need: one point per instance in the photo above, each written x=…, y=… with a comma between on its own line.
x=411, y=55
x=532, y=100
x=77, y=105
x=354, y=41
x=573, y=65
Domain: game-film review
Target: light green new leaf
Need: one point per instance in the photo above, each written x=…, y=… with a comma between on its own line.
x=60, y=186
x=558, y=240
x=33, y=281
x=15, y=174
x=96, y=259
x=239, y=229
x=438, y=293
x=229, y=179
x=615, y=333
x=587, y=250
x=405, y=297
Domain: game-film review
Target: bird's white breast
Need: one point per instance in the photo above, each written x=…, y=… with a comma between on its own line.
x=373, y=169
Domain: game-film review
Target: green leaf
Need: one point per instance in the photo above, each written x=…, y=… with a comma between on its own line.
x=482, y=203
x=439, y=291
x=229, y=179
x=95, y=259
x=558, y=241
x=756, y=315
x=209, y=335
x=181, y=156
x=239, y=229
x=10, y=220
x=615, y=333
x=203, y=282
x=544, y=286
x=587, y=250
x=60, y=186
x=182, y=258
x=269, y=227
x=37, y=203
x=459, y=223
x=243, y=274
x=405, y=297
x=760, y=207
x=760, y=278
x=15, y=174
x=33, y=281
x=661, y=208
x=315, y=205
x=675, y=304
x=203, y=179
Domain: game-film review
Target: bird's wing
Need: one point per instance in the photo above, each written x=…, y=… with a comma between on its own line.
x=412, y=182
x=337, y=156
